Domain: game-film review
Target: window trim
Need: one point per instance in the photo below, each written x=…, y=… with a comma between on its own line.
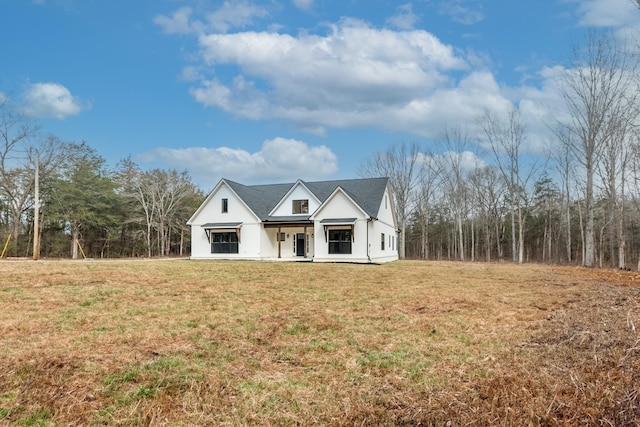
x=302, y=205
x=232, y=244
x=225, y=205
x=341, y=243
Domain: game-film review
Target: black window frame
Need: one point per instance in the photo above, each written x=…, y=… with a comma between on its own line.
x=339, y=241
x=300, y=206
x=382, y=241
x=225, y=205
x=224, y=242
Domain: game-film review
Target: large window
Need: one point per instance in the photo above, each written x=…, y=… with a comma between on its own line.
x=300, y=206
x=339, y=241
x=224, y=243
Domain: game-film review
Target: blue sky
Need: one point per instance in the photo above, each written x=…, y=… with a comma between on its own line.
x=275, y=90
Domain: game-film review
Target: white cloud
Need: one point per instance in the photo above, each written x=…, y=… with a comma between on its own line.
x=608, y=13
x=178, y=23
x=235, y=14
x=461, y=13
x=279, y=159
x=51, y=101
x=622, y=16
x=232, y=14
x=303, y=4
x=355, y=75
x=3, y=97
x=467, y=161
x=191, y=74
x=404, y=19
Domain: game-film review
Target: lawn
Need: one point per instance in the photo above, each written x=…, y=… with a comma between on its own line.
x=247, y=343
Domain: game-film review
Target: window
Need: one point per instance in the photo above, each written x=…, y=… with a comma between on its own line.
x=280, y=237
x=224, y=243
x=300, y=206
x=225, y=205
x=339, y=241
x=382, y=241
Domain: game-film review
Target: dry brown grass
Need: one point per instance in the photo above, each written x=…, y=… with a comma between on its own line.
x=236, y=343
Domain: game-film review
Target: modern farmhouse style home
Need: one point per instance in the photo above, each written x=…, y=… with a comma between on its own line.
x=332, y=221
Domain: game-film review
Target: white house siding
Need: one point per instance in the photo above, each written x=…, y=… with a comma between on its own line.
x=299, y=192
x=340, y=206
x=211, y=212
x=377, y=254
x=384, y=224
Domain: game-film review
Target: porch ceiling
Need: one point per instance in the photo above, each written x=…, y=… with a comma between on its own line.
x=287, y=221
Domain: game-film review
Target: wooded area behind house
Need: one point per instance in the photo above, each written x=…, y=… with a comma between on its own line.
x=486, y=194
x=490, y=194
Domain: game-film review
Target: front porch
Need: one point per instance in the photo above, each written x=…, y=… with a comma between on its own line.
x=289, y=239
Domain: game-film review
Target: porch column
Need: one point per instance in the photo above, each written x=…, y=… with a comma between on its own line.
x=306, y=243
x=279, y=242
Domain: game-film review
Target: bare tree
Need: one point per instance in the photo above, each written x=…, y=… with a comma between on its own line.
x=170, y=191
x=506, y=139
x=454, y=170
x=563, y=160
x=161, y=201
x=16, y=132
x=489, y=190
x=400, y=163
x=19, y=141
x=427, y=189
x=634, y=171
x=612, y=170
x=600, y=92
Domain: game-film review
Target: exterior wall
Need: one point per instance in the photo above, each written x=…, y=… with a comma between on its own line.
x=249, y=245
x=268, y=244
x=377, y=254
x=341, y=207
x=385, y=212
x=300, y=192
x=384, y=225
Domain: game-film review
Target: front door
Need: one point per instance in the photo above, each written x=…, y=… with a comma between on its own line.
x=300, y=244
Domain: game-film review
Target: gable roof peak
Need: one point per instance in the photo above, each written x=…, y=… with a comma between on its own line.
x=263, y=198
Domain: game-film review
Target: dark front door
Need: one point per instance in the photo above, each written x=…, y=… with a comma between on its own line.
x=300, y=244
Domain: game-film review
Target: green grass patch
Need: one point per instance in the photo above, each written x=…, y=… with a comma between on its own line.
x=297, y=329
x=38, y=418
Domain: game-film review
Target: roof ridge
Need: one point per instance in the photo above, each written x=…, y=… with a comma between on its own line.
x=262, y=198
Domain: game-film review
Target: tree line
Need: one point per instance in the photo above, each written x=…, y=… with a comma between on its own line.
x=85, y=208
x=487, y=196
x=484, y=196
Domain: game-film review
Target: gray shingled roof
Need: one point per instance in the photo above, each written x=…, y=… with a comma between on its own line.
x=261, y=199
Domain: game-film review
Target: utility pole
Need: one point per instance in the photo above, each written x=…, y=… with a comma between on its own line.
x=36, y=211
